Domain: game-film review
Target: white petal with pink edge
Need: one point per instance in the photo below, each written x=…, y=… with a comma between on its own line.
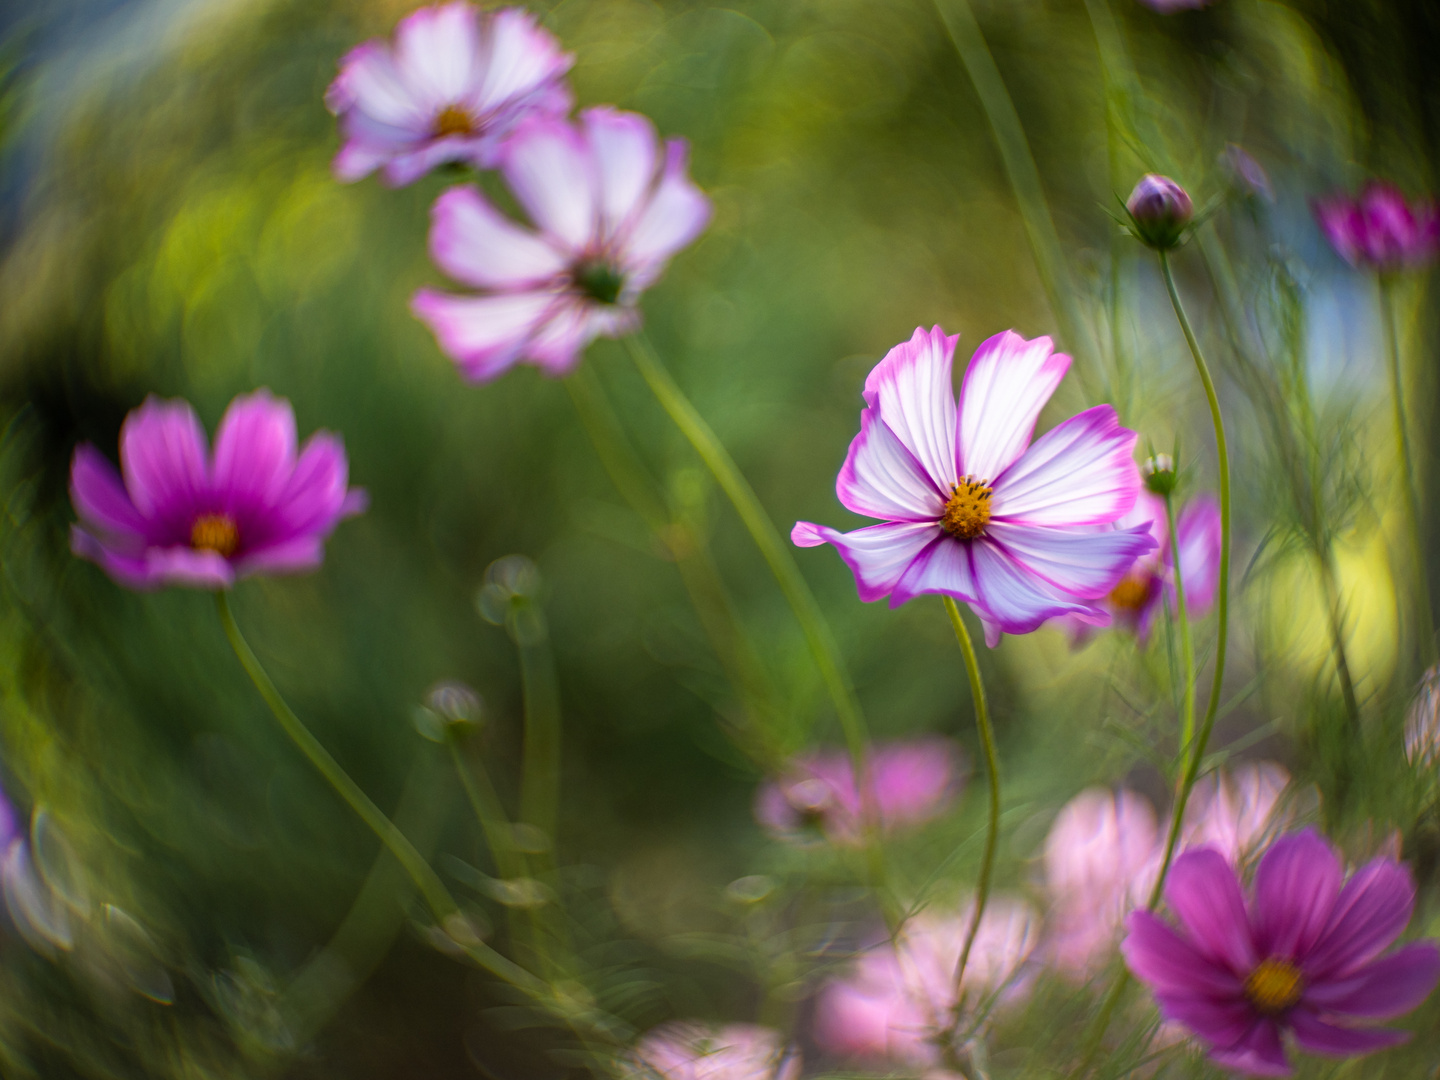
x=436, y=50
x=474, y=243
x=548, y=167
x=676, y=213
x=944, y=568
x=1080, y=472
x=877, y=554
x=882, y=479
x=913, y=391
x=1008, y=382
x=1014, y=601
x=624, y=146
x=484, y=334
x=370, y=83
x=521, y=57
x=1085, y=564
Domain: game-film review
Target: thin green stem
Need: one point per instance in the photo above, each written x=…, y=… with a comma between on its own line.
x=992, y=772
x=489, y=812
x=540, y=761
x=1336, y=617
x=1187, y=713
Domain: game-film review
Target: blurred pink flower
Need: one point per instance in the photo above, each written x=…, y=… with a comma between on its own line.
x=1237, y=810
x=969, y=507
x=1422, y=722
x=1098, y=846
x=182, y=516
x=452, y=86
x=1381, y=229
x=611, y=211
x=1247, y=173
x=899, y=1000
x=913, y=782
x=689, y=1050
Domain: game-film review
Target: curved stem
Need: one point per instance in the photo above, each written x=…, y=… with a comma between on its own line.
x=992, y=772
x=1187, y=715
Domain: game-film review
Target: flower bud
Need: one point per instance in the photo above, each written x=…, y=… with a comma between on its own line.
x=1160, y=210
x=1159, y=474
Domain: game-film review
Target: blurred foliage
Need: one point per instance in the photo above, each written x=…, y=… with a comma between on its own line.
x=181, y=234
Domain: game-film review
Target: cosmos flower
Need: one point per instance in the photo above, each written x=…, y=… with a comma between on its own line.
x=1381, y=229
x=1422, y=722
x=899, y=1001
x=453, y=85
x=913, y=782
x=967, y=510
x=1237, y=810
x=184, y=516
x=1150, y=582
x=696, y=1051
x=611, y=209
x=1160, y=211
x=1303, y=955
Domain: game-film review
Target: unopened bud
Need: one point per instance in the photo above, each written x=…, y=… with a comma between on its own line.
x=1159, y=474
x=1160, y=210
x=455, y=703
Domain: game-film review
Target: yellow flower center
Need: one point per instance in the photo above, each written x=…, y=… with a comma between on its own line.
x=968, y=510
x=215, y=532
x=1131, y=593
x=454, y=120
x=1274, y=986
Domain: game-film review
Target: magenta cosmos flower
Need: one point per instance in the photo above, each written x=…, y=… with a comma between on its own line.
x=182, y=516
x=689, y=1050
x=454, y=84
x=1381, y=229
x=913, y=782
x=968, y=511
x=1150, y=582
x=612, y=207
x=1303, y=955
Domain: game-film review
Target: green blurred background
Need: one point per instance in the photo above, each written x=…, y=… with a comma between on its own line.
x=172, y=227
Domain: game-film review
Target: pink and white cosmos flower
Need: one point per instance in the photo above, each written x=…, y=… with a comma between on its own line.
x=611, y=210
x=453, y=85
x=969, y=507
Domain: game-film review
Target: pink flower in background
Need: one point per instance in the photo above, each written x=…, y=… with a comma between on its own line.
x=1150, y=582
x=182, y=516
x=913, y=782
x=696, y=1051
x=611, y=208
x=1247, y=173
x=967, y=510
x=1422, y=722
x=899, y=1000
x=453, y=85
x=1381, y=229
x=1303, y=954
x=1100, y=844
x=1237, y=810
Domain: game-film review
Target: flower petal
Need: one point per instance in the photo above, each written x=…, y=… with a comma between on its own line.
x=675, y=214
x=1318, y=1037
x=371, y=84
x=1388, y=987
x=314, y=498
x=100, y=499
x=521, y=58
x=560, y=340
x=1220, y=1023
x=1008, y=382
x=155, y=567
x=624, y=147
x=1371, y=911
x=485, y=335
x=1198, y=533
x=474, y=243
x=882, y=479
x=1260, y=1053
x=547, y=165
x=1080, y=472
x=913, y=392
x=162, y=457
x=1013, y=600
x=296, y=556
x=1084, y=564
x=436, y=49
x=877, y=555
x=1203, y=891
x=1296, y=885
x=1163, y=957
x=254, y=454
x=944, y=568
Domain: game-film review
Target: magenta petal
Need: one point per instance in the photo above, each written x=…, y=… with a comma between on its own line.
x=254, y=453
x=877, y=554
x=1007, y=383
x=1166, y=959
x=474, y=243
x=314, y=497
x=1198, y=533
x=1079, y=472
x=912, y=391
x=1260, y=1053
x=883, y=479
x=1318, y=1037
x=188, y=567
x=162, y=457
x=297, y=556
x=100, y=498
x=1220, y=1023
x=1385, y=988
x=1296, y=885
x=1014, y=600
x=1371, y=911
x=1084, y=564
x=1203, y=891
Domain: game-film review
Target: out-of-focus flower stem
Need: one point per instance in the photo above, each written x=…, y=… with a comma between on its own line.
x=797, y=593
x=1424, y=627
x=1187, y=648
x=992, y=773
x=540, y=761
x=1024, y=177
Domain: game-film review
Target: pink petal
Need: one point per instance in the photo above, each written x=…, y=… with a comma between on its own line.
x=558, y=343
x=100, y=498
x=371, y=84
x=296, y=556
x=314, y=497
x=1372, y=910
x=624, y=147
x=1386, y=988
x=1203, y=891
x=676, y=214
x=1170, y=962
x=1220, y=1023
x=1008, y=382
x=548, y=166
x=1011, y=598
x=1318, y=1037
x=1260, y=1053
x=1296, y=885
x=162, y=457
x=1085, y=564
x=1080, y=472
x=882, y=479
x=254, y=453
x=521, y=59
x=404, y=168
x=943, y=568
x=474, y=243
x=912, y=391
x=485, y=335
x=436, y=51
x=877, y=555
x=1198, y=532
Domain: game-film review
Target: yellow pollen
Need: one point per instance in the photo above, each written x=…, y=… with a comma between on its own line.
x=968, y=511
x=1131, y=593
x=1274, y=986
x=215, y=532
x=454, y=120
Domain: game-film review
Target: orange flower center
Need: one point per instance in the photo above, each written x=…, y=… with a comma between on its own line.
x=1131, y=593
x=454, y=120
x=215, y=532
x=1274, y=987
x=968, y=510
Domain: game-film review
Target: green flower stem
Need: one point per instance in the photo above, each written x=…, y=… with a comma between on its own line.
x=797, y=593
x=489, y=812
x=1020, y=168
x=442, y=905
x=992, y=772
x=540, y=760
x=1187, y=714
x=1425, y=617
